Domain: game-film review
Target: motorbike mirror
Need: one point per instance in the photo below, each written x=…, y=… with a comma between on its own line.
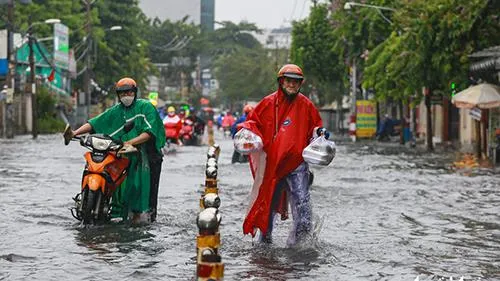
x=128, y=126
x=67, y=134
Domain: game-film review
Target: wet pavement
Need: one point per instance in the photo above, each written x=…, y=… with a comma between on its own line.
x=382, y=213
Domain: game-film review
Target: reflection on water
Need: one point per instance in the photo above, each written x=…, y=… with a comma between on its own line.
x=382, y=213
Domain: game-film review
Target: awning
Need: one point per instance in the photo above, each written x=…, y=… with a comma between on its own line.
x=490, y=60
x=485, y=65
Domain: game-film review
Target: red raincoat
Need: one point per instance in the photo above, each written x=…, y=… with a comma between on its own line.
x=173, y=125
x=286, y=129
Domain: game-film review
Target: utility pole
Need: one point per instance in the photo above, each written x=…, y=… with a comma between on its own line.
x=7, y=112
x=34, y=115
x=86, y=77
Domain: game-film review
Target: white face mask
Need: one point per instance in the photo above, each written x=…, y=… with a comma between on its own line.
x=127, y=100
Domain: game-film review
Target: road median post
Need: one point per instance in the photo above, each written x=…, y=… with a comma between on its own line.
x=209, y=264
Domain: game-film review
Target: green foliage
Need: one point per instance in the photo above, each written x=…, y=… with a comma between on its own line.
x=48, y=122
x=230, y=38
x=245, y=74
x=46, y=103
x=312, y=45
x=243, y=68
x=123, y=52
x=50, y=125
x=430, y=46
x=171, y=42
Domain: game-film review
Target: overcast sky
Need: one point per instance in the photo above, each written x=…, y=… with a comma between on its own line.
x=264, y=13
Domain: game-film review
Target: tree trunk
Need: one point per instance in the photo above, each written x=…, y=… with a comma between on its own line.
x=402, y=124
x=478, y=139
x=484, y=119
x=430, y=146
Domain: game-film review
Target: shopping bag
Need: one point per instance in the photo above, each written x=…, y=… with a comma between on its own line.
x=246, y=142
x=320, y=151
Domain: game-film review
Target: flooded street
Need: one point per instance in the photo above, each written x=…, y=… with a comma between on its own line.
x=381, y=215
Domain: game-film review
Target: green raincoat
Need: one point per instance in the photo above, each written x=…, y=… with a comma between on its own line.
x=133, y=194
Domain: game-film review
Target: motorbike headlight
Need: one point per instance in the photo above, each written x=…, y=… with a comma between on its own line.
x=100, y=144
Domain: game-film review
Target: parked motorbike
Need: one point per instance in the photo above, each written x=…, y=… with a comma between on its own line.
x=106, y=168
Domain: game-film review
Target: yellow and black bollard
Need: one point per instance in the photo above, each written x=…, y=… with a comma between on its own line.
x=209, y=265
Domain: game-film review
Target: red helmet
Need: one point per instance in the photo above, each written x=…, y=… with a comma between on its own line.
x=247, y=108
x=291, y=71
x=126, y=84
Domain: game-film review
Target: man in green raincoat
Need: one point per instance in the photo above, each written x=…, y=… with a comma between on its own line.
x=138, y=194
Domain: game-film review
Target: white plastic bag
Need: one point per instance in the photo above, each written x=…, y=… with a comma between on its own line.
x=246, y=142
x=320, y=151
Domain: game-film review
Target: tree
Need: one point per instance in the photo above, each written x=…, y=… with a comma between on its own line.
x=123, y=52
x=430, y=48
x=230, y=38
x=242, y=66
x=312, y=48
x=177, y=44
x=245, y=74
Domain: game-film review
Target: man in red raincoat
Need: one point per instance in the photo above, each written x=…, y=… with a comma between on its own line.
x=286, y=121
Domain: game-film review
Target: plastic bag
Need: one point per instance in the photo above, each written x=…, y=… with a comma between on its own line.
x=320, y=151
x=246, y=142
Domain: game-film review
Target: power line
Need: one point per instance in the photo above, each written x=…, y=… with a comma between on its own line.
x=303, y=7
x=293, y=10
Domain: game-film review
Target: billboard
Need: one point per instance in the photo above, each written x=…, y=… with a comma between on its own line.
x=366, y=118
x=61, y=45
x=4, y=41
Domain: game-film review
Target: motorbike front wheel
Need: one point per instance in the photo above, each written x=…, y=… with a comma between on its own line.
x=92, y=211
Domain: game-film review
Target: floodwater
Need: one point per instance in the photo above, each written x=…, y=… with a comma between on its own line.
x=381, y=214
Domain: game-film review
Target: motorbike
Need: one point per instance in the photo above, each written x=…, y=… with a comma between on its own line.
x=106, y=168
x=227, y=131
x=170, y=145
x=188, y=134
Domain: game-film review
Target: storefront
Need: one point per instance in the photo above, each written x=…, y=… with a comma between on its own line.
x=485, y=67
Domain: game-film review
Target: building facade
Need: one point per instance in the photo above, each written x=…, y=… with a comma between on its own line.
x=172, y=10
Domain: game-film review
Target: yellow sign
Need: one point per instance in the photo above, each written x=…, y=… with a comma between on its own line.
x=366, y=119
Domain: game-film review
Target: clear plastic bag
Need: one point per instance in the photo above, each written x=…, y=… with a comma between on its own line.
x=246, y=142
x=320, y=151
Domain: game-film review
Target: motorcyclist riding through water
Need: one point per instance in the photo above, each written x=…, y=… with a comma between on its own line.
x=137, y=197
x=173, y=124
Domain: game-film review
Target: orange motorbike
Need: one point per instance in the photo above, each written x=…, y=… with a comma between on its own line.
x=106, y=168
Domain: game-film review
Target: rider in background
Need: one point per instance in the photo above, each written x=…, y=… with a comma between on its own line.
x=198, y=122
x=137, y=197
x=228, y=121
x=246, y=110
x=173, y=124
x=220, y=118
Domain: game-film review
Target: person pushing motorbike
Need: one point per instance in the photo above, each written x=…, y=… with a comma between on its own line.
x=138, y=195
x=286, y=121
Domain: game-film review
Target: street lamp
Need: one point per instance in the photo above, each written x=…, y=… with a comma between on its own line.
x=87, y=80
x=350, y=5
x=47, y=21
x=34, y=115
x=116, y=27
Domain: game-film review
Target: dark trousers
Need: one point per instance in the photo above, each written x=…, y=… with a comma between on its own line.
x=155, y=169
